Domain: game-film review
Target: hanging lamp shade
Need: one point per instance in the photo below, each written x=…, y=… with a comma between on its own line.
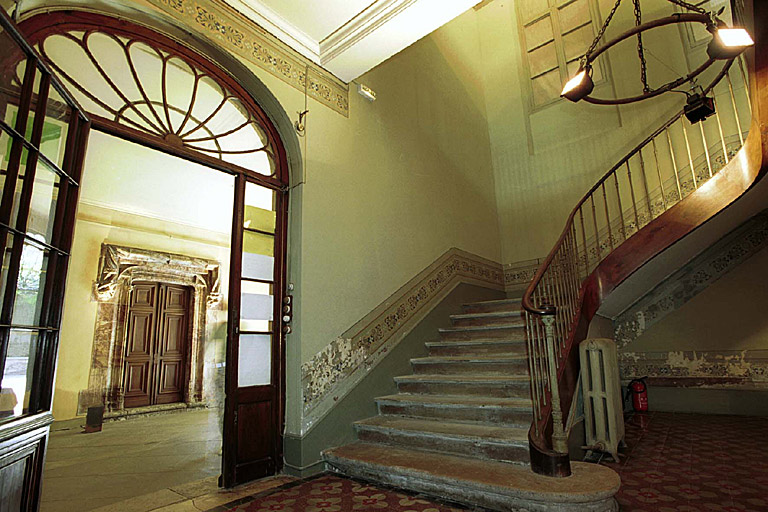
x=579, y=86
x=728, y=43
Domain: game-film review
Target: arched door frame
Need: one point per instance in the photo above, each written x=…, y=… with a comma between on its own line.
x=288, y=161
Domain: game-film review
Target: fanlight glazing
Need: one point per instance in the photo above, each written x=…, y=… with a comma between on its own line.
x=149, y=89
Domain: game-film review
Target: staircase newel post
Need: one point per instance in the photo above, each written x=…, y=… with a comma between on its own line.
x=559, y=440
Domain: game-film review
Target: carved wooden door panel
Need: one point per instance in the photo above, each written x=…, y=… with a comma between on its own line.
x=157, y=337
x=172, y=342
x=139, y=344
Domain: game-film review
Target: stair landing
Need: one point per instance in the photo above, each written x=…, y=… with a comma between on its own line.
x=491, y=484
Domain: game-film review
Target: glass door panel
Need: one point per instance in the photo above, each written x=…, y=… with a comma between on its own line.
x=257, y=298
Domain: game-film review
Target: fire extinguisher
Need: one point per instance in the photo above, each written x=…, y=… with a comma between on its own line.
x=639, y=392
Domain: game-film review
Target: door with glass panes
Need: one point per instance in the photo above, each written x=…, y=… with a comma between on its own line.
x=256, y=349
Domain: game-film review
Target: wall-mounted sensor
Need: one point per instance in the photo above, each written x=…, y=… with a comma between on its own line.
x=366, y=92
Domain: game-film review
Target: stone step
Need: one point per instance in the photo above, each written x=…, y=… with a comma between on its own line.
x=491, y=306
x=477, y=482
x=476, y=347
x=494, y=318
x=484, y=409
x=474, y=440
x=478, y=385
x=484, y=332
x=497, y=364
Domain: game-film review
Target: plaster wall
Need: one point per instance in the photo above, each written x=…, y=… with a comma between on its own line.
x=728, y=315
x=388, y=190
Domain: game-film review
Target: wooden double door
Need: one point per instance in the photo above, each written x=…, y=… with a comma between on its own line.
x=157, y=343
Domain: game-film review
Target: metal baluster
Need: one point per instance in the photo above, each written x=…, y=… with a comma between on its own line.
x=533, y=374
x=674, y=165
x=632, y=194
x=645, y=185
x=706, y=147
x=607, y=217
x=735, y=109
x=542, y=351
x=561, y=312
x=658, y=172
x=573, y=273
x=559, y=440
x=720, y=129
x=551, y=293
x=621, y=209
x=745, y=78
x=584, y=238
x=576, y=280
x=690, y=157
x=599, y=252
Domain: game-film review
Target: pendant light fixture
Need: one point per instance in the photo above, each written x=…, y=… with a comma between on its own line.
x=727, y=43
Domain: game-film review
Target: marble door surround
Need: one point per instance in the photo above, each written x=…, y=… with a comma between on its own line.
x=119, y=267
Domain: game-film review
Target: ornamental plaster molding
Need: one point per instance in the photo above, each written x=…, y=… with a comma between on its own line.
x=366, y=22
x=241, y=36
x=698, y=368
x=341, y=365
x=517, y=276
x=706, y=268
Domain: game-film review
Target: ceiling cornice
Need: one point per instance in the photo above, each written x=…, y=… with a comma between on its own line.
x=279, y=27
x=364, y=23
x=370, y=37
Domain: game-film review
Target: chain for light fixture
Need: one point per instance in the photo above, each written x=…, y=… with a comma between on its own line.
x=581, y=86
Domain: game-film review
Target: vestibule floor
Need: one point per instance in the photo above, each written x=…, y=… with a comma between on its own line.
x=694, y=463
x=165, y=458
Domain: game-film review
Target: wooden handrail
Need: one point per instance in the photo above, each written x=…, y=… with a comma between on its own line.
x=581, y=270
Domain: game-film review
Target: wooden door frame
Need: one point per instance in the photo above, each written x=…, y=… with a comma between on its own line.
x=40, y=25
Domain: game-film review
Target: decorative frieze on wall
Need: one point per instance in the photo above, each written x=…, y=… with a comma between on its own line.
x=691, y=279
x=335, y=370
x=517, y=276
x=237, y=34
x=700, y=369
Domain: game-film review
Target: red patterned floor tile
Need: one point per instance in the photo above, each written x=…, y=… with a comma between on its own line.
x=694, y=463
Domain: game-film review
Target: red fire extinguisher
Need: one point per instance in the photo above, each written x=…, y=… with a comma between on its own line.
x=639, y=392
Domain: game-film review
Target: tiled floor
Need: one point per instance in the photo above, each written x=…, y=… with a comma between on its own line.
x=694, y=463
x=168, y=458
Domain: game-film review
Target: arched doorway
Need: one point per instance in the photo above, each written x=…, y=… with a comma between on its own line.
x=148, y=89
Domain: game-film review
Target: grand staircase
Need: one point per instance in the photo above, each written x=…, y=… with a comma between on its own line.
x=458, y=426
x=482, y=419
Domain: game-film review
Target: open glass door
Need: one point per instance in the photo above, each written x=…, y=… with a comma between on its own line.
x=254, y=404
x=42, y=143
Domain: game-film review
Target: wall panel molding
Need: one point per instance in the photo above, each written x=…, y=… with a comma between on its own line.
x=722, y=368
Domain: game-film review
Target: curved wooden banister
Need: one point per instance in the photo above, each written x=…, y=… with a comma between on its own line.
x=582, y=270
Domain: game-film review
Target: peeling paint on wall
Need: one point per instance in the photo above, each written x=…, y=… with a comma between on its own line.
x=696, y=368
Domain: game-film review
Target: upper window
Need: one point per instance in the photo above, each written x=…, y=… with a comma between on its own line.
x=555, y=36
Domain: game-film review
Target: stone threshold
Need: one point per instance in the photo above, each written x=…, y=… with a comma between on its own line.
x=153, y=410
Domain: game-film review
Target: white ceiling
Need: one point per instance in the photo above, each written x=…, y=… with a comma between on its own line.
x=350, y=37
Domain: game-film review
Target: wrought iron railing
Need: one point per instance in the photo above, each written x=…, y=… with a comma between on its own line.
x=672, y=163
